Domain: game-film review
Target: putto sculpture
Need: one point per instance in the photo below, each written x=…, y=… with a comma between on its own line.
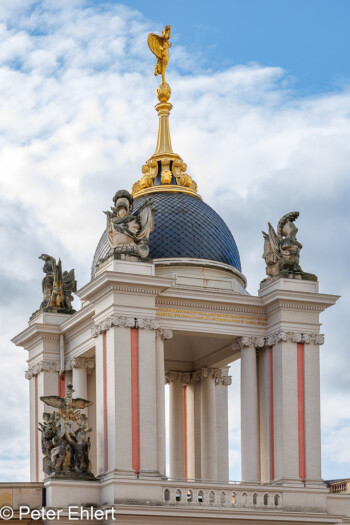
x=57, y=287
x=64, y=439
x=128, y=234
x=282, y=249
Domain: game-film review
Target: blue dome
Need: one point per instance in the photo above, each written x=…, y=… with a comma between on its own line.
x=185, y=226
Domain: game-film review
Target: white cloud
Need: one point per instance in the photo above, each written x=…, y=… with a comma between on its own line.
x=77, y=122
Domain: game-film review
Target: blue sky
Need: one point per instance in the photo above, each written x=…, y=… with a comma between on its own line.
x=309, y=39
x=261, y=95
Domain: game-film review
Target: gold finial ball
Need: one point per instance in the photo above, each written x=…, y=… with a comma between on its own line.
x=163, y=92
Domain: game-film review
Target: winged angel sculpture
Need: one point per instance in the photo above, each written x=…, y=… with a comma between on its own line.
x=159, y=45
x=129, y=233
x=65, y=442
x=282, y=249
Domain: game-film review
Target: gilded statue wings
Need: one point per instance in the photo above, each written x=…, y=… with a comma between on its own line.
x=159, y=45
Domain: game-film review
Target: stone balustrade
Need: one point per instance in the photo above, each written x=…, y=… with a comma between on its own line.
x=340, y=487
x=228, y=497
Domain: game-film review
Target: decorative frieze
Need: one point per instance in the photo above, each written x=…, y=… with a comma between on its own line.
x=276, y=337
x=188, y=378
x=123, y=321
x=43, y=366
x=80, y=362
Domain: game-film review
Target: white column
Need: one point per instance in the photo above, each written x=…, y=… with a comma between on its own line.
x=79, y=382
x=161, y=448
x=221, y=397
x=47, y=385
x=208, y=426
x=249, y=412
x=312, y=413
x=197, y=428
x=113, y=402
x=100, y=407
x=176, y=426
x=149, y=432
x=264, y=415
x=285, y=408
x=190, y=433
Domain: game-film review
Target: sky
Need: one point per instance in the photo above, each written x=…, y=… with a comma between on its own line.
x=261, y=96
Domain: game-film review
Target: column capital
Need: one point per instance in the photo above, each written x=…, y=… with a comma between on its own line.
x=164, y=333
x=124, y=321
x=187, y=378
x=80, y=362
x=172, y=376
x=294, y=337
x=249, y=341
x=42, y=366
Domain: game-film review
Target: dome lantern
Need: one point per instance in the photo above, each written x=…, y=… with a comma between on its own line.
x=164, y=170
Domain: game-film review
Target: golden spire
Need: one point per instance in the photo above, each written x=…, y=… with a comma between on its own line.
x=164, y=162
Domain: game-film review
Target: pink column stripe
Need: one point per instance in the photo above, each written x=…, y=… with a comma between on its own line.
x=105, y=398
x=135, y=417
x=272, y=424
x=37, y=427
x=301, y=410
x=62, y=385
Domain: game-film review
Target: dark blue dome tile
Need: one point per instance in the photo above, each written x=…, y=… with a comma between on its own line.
x=185, y=226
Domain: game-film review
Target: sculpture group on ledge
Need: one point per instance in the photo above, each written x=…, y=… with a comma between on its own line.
x=281, y=250
x=128, y=234
x=57, y=287
x=64, y=439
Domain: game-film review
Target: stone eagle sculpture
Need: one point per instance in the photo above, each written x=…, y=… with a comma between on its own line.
x=64, y=439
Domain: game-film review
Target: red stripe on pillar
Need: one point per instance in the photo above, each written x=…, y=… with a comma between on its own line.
x=135, y=424
x=301, y=410
x=62, y=385
x=37, y=428
x=272, y=423
x=185, y=430
x=105, y=398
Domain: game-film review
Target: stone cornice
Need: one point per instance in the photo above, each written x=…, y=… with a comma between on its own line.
x=188, y=378
x=43, y=366
x=208, y=306
x=277, y=337
x=124, y=322
x=127, y=283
